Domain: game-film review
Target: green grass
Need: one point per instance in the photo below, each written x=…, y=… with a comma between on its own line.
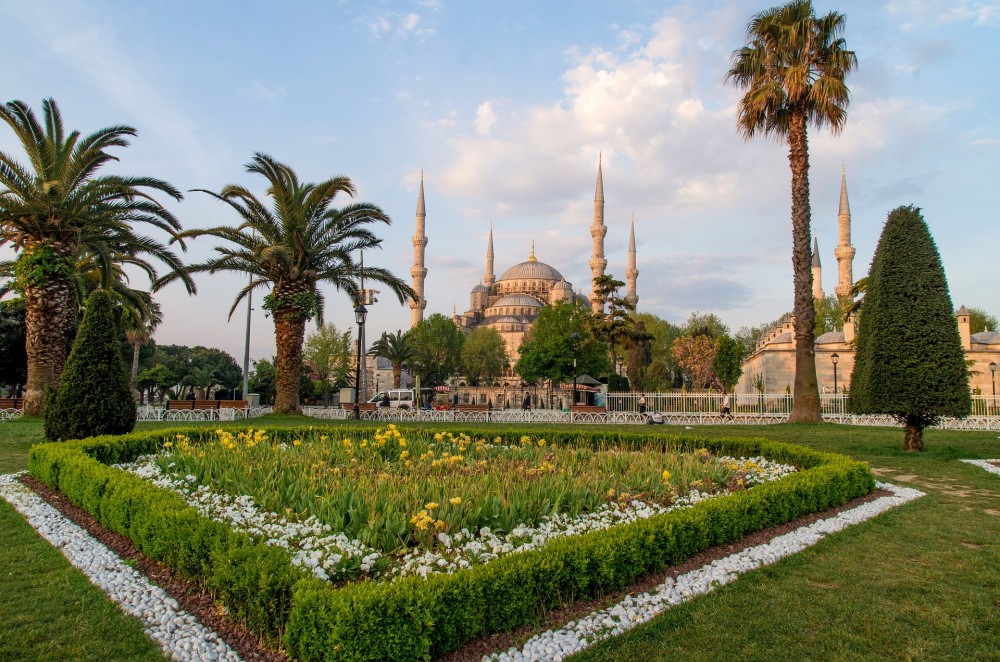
x=920, y=582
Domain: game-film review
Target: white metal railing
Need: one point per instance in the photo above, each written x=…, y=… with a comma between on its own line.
x=160, y=413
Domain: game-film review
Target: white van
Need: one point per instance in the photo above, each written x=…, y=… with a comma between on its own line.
x=399, y=398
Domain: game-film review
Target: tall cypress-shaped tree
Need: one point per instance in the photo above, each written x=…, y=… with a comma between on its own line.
x=909, y=361
x=94, y=395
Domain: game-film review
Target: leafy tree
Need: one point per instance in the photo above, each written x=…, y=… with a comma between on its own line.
x=158, y=378
x=547, y=349
x=696, y=355
x=614, y=326
x=437, y=349
x=909, y=362
x=484, y=356
x=663, y=372
x=792, y=71
x=728, y=362
x=704, y=324
x=639, y=357
x=327, y=354
x=13, y=358
x=94, y=396
x=263, y=380
x=302, y=242
x=180, y=359
x=56, y=212
x=830, y=314
x=397, y=349
x=980, y=320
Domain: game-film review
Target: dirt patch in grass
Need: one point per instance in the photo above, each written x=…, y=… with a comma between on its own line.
x=203, y=606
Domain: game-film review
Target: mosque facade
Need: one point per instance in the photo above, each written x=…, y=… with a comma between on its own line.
x=510, y=304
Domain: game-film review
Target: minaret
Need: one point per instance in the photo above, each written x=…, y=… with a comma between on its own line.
x=419, y=271
x=490, y=278
x=597, y=231
x=844, y=251
x=631, y=273
x=817, y=272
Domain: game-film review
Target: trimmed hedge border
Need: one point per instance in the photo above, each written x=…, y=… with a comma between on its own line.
x=416, y=618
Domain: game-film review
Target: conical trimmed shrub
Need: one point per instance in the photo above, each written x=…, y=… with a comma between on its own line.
x=93, y=396
x=909, y=362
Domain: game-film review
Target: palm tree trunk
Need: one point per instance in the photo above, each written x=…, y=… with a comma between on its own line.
x=806, y=406
x=50, y=312
x=135, y=371
x=397, y=371
x=289, y=334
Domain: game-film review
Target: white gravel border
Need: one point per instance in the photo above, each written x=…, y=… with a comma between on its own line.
x=557, y=644
x=985, y=464
x=177, y=632
x=182, y=637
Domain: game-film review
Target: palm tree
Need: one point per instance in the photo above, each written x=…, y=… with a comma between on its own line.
x=139, y=324
x=57, y=211
x=292, y=248
x=397, y=349
x=792, y=70
x=201, y=379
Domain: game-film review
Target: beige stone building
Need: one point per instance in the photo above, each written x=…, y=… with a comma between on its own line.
x=510, y=303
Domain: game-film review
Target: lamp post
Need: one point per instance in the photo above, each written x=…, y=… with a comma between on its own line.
x=993, y=379
x=574, y=341
x=835, y=358
x=359, y=316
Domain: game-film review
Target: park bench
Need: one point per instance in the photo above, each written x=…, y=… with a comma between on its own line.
x=469, y=407
x=232, y=404
x=12, y=403
x=173, y=405
x=362, y=406
x=587, y=409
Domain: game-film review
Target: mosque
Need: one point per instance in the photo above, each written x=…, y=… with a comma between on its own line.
x=510, y=304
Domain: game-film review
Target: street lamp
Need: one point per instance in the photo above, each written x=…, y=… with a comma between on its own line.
x=574, y=341
x=993, y=379
x=359, y=316
x=835, y=357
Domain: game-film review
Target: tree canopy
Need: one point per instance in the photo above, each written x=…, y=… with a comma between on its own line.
x=547, y=349
x=437, y=349
x=909, y=361
x=484, y=356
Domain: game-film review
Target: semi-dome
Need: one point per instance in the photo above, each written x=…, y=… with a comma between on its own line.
x=506, y=319
x=562, y=285
x=518, y=300
x=480, y=288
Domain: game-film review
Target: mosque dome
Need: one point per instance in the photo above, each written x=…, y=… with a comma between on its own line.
x=531, y=270
x=986, y=338
x=517, y=300
x=562, y=285
x=480, y=288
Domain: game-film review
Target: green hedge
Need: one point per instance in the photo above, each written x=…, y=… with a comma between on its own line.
x=416, y=618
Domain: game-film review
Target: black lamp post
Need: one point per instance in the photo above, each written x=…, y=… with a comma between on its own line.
x=574, y=341
x=835, y=357
x=359, y=316
x=993, y=379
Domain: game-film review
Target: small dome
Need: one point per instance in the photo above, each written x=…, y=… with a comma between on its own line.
x=518, y=300
x=986, y=338
x=831, y=337
x=531, y=270
x=562, y=285
x=782, y=338
x=480, y=288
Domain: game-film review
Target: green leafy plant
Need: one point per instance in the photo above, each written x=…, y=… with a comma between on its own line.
x=94, y=395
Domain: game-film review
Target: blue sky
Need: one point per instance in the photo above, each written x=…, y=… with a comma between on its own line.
x=505, y=107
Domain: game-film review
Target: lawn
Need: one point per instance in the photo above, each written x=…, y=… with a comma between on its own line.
x=917, y=583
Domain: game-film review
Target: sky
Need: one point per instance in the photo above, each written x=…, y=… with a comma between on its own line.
x=506, y=109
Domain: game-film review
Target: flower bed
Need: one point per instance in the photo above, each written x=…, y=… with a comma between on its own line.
x=435, y=519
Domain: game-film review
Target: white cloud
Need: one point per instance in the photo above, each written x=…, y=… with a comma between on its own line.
x=262, y=91
x=486, y=117
x=923, y=13
x=398, y=24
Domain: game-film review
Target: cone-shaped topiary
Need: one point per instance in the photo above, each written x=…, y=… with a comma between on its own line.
x=909, y=360
x=93, y=396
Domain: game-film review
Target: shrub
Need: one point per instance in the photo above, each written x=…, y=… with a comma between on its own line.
x=909, y=362
x=93, y=396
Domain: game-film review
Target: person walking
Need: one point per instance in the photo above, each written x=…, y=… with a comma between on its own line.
x=527, y=401
x=642, y=403
x=724, y=412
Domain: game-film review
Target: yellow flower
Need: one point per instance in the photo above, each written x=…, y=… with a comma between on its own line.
x=455, y=501
x=168, y=444
x=431, y=506
x=323, y=438
x=402, y=442
x=297, y=442
x=611, y=492
x=666, y=475
x=404, y=455
x=541, y=442
x=439, y=525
